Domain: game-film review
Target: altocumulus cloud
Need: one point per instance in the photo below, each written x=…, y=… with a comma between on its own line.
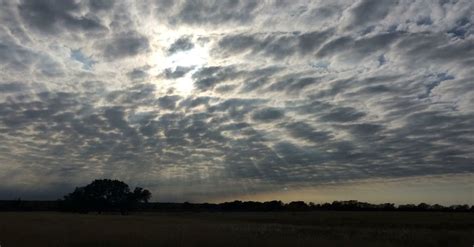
x=208, y=99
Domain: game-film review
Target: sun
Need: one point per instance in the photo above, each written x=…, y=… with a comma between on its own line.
x=190, y=61
x=196, y=56
x=174, y=72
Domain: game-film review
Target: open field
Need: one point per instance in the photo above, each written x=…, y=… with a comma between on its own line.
x=326, y=228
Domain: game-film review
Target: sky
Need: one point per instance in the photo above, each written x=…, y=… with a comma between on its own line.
x=222, y=100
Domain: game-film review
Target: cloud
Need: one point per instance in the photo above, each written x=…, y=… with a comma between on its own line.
x=17, y=58
x=101, y=4
x=294, y=94
x=304, y=131
x=87, y=62
x=275, y=45
x=369, y=11
x=206, y=78
x=212, y=13
x=56, y=16
x=168, y=102
x=12, y=87
x=178, y=72
x=181, y=44
x=125, y=45
x=267, y=114
x=137, y=74
x=342, y=114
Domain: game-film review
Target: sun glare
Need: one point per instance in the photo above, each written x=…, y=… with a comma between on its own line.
x=190, y=61
x=195, y=57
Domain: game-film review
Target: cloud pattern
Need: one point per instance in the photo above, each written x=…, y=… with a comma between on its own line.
x=291, y=93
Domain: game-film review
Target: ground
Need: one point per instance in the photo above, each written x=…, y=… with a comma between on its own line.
x=39, y=229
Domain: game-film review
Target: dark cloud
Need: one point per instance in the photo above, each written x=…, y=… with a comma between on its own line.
x=370, y=11
x=195, y=102
x=462, y=29
x=16, y=58
x=237, y=43
x=324, y=12
x=116, y=117
x=137, y=74
x=267, y=114
x=56, y=15
x=235, y=108
x=359, y=48
x=424, y=21
x=133, y=96
x=126, y=45
x=178, y=72
x=436, y=48
x=211, y=12
x=101, y=4
x=335, y=45
x=293, y=83
x=181, y=44
x=310, y=41
x=365, y=130
x=275, y=45
x=306, y=132
x=12, y=87
x=206, y=78
x=298, y=156
x=342, y=114
x=168, y=102
x=209, y=78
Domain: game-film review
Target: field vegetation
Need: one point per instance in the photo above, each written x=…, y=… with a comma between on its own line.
x=319, y=228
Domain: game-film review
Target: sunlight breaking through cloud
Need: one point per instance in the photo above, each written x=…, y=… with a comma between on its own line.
x=206, y=99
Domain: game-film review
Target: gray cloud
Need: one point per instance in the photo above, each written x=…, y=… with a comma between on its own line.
x=306, y=132
x=289, y=94
x=53, y=16
x=342, y=114
x=101, y=4
x=126, y=45
x=178, y=72
x=276, y=45
x=267, y=114
x=11, y=87
x=137, y=74
x=370, y=11
x=206, y=78
x=168, y=102
x=181, y=44
x=211, y=13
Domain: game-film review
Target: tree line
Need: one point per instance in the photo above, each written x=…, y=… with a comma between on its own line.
x=295, y=206
x=235, y=206
x=106, y=195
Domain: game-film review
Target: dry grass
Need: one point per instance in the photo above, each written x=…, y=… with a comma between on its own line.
x=238, y=229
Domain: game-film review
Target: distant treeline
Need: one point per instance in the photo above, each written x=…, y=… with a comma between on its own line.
x=242, y=206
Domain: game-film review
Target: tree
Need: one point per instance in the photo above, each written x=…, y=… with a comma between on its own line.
x=297, y=206
x=141, y=195
x=105, y=195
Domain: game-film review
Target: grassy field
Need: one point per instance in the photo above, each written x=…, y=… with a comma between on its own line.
x=238, y=229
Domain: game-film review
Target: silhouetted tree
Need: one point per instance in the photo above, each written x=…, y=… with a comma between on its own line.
x=297, y=206
x=273, y=205
x=437, y=207
x=407, y=207
x=105, y=195
x=423, y=207
x=459, y=208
